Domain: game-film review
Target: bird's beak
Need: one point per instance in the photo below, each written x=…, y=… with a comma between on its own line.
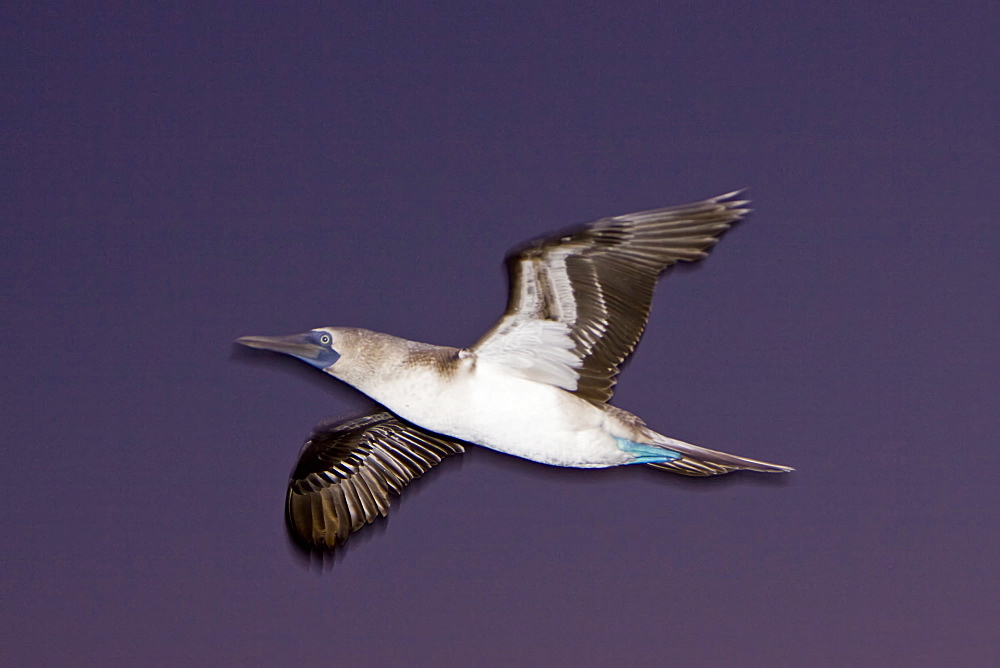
x=297, y=345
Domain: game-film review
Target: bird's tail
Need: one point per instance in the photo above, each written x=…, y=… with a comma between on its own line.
x=698, y=461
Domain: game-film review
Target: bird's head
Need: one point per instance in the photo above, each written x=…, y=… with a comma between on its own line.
x=317, y=347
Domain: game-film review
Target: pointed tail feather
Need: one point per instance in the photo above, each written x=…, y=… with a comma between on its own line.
x=698, y=461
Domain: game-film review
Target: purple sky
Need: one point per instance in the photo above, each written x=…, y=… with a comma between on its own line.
x=175, y=178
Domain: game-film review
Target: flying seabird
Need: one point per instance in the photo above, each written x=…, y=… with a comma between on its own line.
x=535, y=386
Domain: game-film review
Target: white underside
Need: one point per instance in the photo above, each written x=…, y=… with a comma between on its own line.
x=492, y=406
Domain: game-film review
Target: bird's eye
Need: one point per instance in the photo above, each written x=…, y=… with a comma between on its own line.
x=325, y=339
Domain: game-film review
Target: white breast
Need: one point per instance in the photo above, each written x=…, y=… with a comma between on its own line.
x=488, y=405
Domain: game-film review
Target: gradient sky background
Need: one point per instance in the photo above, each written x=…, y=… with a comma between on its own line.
x=177, y=177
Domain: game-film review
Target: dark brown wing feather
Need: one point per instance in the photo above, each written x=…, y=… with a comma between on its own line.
x=347, y=470
x=599, y=279
x=694, y=467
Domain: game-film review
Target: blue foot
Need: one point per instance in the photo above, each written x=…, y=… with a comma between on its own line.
x=646, y=453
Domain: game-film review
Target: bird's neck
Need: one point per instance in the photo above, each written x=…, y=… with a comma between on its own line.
x=374, y=360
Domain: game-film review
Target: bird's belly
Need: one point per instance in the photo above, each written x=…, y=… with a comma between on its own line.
x=520, y=417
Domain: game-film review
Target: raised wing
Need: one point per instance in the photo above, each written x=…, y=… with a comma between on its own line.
x=347, y=469
x=597, y=281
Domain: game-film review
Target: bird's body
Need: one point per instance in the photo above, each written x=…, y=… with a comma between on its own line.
x=503, y=408
x=488, y=404
x=537, y=384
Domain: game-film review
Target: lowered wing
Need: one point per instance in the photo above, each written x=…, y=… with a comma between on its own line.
x=347, y=470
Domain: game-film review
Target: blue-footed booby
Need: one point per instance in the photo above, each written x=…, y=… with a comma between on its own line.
x=535, y=386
